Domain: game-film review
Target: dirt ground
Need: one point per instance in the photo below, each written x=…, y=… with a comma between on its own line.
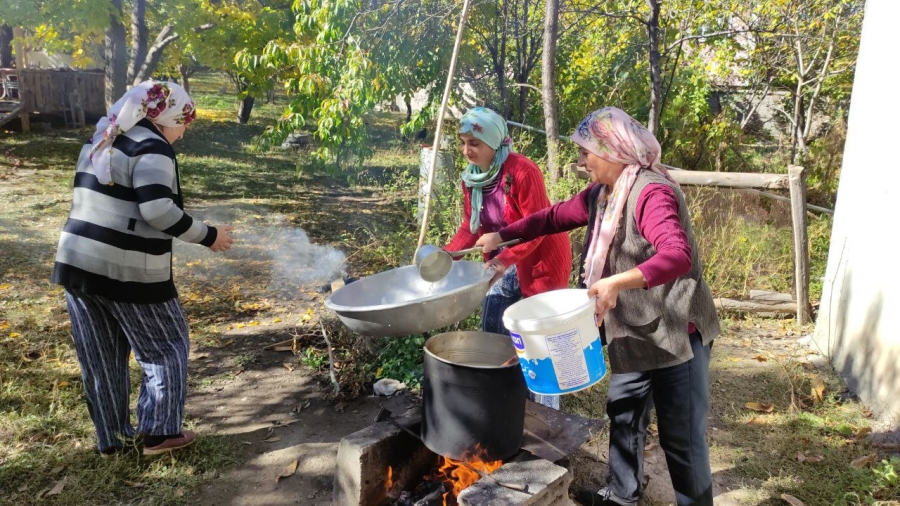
x=281, y=413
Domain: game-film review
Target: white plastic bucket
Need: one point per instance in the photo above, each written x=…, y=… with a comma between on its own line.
x=556, y=337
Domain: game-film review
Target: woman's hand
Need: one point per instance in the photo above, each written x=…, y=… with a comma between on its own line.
x=498, y=267
x=606, y=291
x=489, y=242
x=223, y=239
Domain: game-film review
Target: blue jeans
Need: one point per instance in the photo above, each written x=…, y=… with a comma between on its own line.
x=681, y=396
x=504, y=293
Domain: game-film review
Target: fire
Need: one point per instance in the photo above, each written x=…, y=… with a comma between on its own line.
x=389, y=484
x=458, y=475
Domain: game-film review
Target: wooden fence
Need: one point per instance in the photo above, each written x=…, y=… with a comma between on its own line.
x=62, y=92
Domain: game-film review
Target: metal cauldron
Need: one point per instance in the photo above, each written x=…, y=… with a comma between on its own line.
x=399, y=302
x=473, y=404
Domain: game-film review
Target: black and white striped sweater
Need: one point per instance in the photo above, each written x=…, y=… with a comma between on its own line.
x=117, y=242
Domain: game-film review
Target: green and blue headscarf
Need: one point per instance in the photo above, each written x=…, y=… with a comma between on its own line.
x=490, y=128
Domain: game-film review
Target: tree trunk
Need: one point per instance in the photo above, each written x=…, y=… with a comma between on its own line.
x=245, y=109
x=185, y=73
x=165, y=37
x=115, y=55
x=6, y=37
x=655, y=70
x=548, y=85
x=138, y=38
x=408, y=101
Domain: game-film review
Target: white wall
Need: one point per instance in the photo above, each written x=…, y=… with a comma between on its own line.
x=859, y=320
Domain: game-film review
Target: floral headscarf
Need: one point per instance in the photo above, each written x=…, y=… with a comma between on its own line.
x=165, y=104
x=490, y=128
x=615, y=136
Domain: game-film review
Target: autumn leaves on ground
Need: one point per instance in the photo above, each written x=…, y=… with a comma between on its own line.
x=783, y=427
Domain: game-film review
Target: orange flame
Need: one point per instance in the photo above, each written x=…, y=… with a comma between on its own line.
x=458, y=476
x=389, y=484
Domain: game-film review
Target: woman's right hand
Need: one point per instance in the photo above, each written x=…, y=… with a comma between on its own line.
x=223, y=239
x=489, y=242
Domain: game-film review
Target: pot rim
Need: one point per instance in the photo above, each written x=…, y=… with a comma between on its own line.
x=429, y=353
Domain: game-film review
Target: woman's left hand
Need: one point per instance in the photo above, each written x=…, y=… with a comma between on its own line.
x=606, y=291
x=498, y=267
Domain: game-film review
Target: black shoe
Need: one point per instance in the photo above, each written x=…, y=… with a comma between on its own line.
x=591, y=497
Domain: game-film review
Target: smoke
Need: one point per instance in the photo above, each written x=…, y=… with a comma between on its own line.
x=269, y=254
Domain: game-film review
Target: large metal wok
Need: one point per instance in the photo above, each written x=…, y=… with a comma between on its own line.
x=399, y=302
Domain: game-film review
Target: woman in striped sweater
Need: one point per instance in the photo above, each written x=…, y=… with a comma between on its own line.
x=115, y=262
x=499, y=188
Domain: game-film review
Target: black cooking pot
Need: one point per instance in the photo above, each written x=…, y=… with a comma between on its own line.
x=473, y=405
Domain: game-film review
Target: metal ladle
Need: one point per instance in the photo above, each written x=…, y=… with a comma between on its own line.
x=434, y=263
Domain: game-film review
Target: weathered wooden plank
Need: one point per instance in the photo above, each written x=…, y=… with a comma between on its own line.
x=767, y=296
x=721, y=179
x=801, y=242
x=755, y=306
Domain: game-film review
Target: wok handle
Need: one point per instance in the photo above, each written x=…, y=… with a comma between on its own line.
x=466, y=251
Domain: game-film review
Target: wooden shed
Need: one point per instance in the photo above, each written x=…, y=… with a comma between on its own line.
x=63, y=92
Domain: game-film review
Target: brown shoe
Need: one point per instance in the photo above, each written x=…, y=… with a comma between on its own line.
x=186, y=438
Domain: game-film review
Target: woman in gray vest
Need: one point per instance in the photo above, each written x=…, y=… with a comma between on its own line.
x=642, y=264
x=115, y=262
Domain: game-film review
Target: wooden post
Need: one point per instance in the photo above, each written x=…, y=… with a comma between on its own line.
x=797, y=185
x=438, y=131
x=21, y=62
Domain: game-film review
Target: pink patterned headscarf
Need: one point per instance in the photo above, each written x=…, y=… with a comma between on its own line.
x=615, y=136
x=165, y=104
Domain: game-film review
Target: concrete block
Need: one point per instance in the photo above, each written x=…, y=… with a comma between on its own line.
x=548, y=485
x=364, y=457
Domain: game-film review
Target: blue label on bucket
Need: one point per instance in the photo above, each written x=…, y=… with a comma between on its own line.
x=543, y=378
x=517, y=341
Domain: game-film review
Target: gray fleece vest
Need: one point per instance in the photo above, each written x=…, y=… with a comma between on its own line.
x=648, y=328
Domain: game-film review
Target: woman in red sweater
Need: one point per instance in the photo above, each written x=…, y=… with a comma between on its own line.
x=501, y=187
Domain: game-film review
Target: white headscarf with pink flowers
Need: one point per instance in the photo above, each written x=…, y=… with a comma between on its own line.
x=615, y=136
x=165, y=104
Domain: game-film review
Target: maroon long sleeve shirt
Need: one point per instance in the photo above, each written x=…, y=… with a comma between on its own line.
x=656, y=216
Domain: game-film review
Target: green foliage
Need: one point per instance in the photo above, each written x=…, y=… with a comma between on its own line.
x=400, y=358
x=345, y=58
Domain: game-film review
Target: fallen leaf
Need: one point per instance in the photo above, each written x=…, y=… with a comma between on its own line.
x=793, y=501
x=201, y=356
x=57, y=469
x=5, y=286
x=22, y=488
x=762, y=407
x=276, y=320
x=734, y=359
x=58, y=488
x=134, y=484
x=62, y=384
x=228, y=342
x=271, y=440
x=818, y=390
x=801, y=457
x=757, y=420
x=652, y=429
x=14, y=334
x=863, y=432
x=809, y=366
x=288, y=471
x=761, y=358
x=4, y=325
x=289, y=366
x=179, y=492
x=237, y=371
x=864, y=461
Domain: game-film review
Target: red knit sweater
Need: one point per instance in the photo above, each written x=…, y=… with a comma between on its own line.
x=542, y=264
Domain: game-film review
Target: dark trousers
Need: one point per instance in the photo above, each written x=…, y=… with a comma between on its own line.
x=681, y=396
